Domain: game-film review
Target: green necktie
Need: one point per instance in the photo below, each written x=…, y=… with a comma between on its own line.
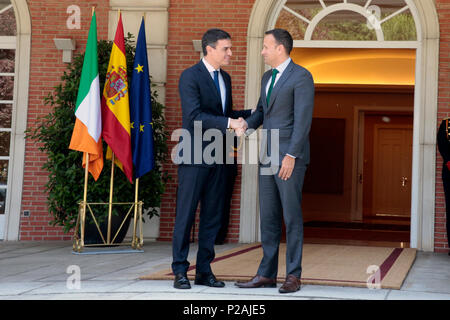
x=274, y=75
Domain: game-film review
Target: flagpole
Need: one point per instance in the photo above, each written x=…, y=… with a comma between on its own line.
x=141, y=235
x=111, y=184
x=136, y=192
x=136, y=199
x=86, y=177
x=83, y=211
x=111, y=190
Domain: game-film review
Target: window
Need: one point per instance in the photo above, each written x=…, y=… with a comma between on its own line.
x=349, y=20
x=7, y=76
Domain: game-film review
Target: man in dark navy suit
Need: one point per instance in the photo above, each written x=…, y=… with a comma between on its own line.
x=206, y=103
x=443, y=140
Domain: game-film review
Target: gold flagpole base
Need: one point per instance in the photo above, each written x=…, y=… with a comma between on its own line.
x=136, y=242
x=85, y=208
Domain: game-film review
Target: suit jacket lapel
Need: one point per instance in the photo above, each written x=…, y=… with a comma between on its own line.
x=280, y=83
x=209, y=80
x=227, y=93
x=264, y=81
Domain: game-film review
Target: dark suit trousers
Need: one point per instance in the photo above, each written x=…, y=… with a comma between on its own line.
x=277, y=198
x=230, y=177
x=197, y=184
x=446, y=182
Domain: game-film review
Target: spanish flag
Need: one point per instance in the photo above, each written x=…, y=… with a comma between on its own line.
x=86, y=136
x=116, y=108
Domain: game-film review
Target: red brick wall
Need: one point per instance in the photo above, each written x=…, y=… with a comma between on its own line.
x=48, y=21
x=188, y=20
x=443, y=8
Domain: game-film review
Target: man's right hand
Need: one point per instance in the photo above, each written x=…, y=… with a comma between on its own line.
x=239, y=126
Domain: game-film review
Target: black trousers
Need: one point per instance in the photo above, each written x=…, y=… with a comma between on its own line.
x=205, y=185
x=446, y=182
x=229, y=179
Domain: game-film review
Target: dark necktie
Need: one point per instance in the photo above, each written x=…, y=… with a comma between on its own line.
x=274, y=75
x=216, y=81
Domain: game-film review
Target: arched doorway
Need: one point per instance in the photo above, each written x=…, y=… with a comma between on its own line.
x=15, y=46
x=424, y=41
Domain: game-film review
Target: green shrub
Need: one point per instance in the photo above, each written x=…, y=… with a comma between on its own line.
x=64, y=166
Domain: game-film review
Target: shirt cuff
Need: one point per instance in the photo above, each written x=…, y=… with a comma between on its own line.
x=228, y=125
x=290, y=155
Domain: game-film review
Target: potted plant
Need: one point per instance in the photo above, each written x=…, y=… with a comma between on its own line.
x=66, y=175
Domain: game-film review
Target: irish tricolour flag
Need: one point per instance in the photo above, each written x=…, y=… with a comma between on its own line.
x=86, y=136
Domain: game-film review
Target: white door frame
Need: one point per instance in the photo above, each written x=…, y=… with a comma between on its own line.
x=13, y=203
x=263, y=18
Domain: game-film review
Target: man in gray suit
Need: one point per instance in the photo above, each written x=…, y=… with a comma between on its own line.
x=285, y=104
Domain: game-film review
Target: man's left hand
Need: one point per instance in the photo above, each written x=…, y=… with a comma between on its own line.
x=287, y=166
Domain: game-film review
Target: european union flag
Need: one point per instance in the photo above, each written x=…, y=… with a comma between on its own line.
x=141, y=109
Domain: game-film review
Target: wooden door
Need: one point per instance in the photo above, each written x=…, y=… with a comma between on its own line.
x=392, y=170
x=387, y=168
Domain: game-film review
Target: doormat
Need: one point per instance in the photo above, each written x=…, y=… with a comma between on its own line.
x=334, y=265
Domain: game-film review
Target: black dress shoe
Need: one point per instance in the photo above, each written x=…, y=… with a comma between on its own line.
x=208, y=279
x=181, y=281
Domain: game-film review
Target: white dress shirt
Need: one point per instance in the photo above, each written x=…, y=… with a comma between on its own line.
x=223, y=89
x=280, y=69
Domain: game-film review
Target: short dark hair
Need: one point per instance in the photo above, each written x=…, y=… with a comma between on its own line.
x=282, y=37
x=211, y=37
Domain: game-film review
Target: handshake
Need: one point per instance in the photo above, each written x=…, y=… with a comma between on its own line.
x=239, y=126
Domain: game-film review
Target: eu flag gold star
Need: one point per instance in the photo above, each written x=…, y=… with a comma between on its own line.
x=132, y=125
x=139, y=68
x=141, y=128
